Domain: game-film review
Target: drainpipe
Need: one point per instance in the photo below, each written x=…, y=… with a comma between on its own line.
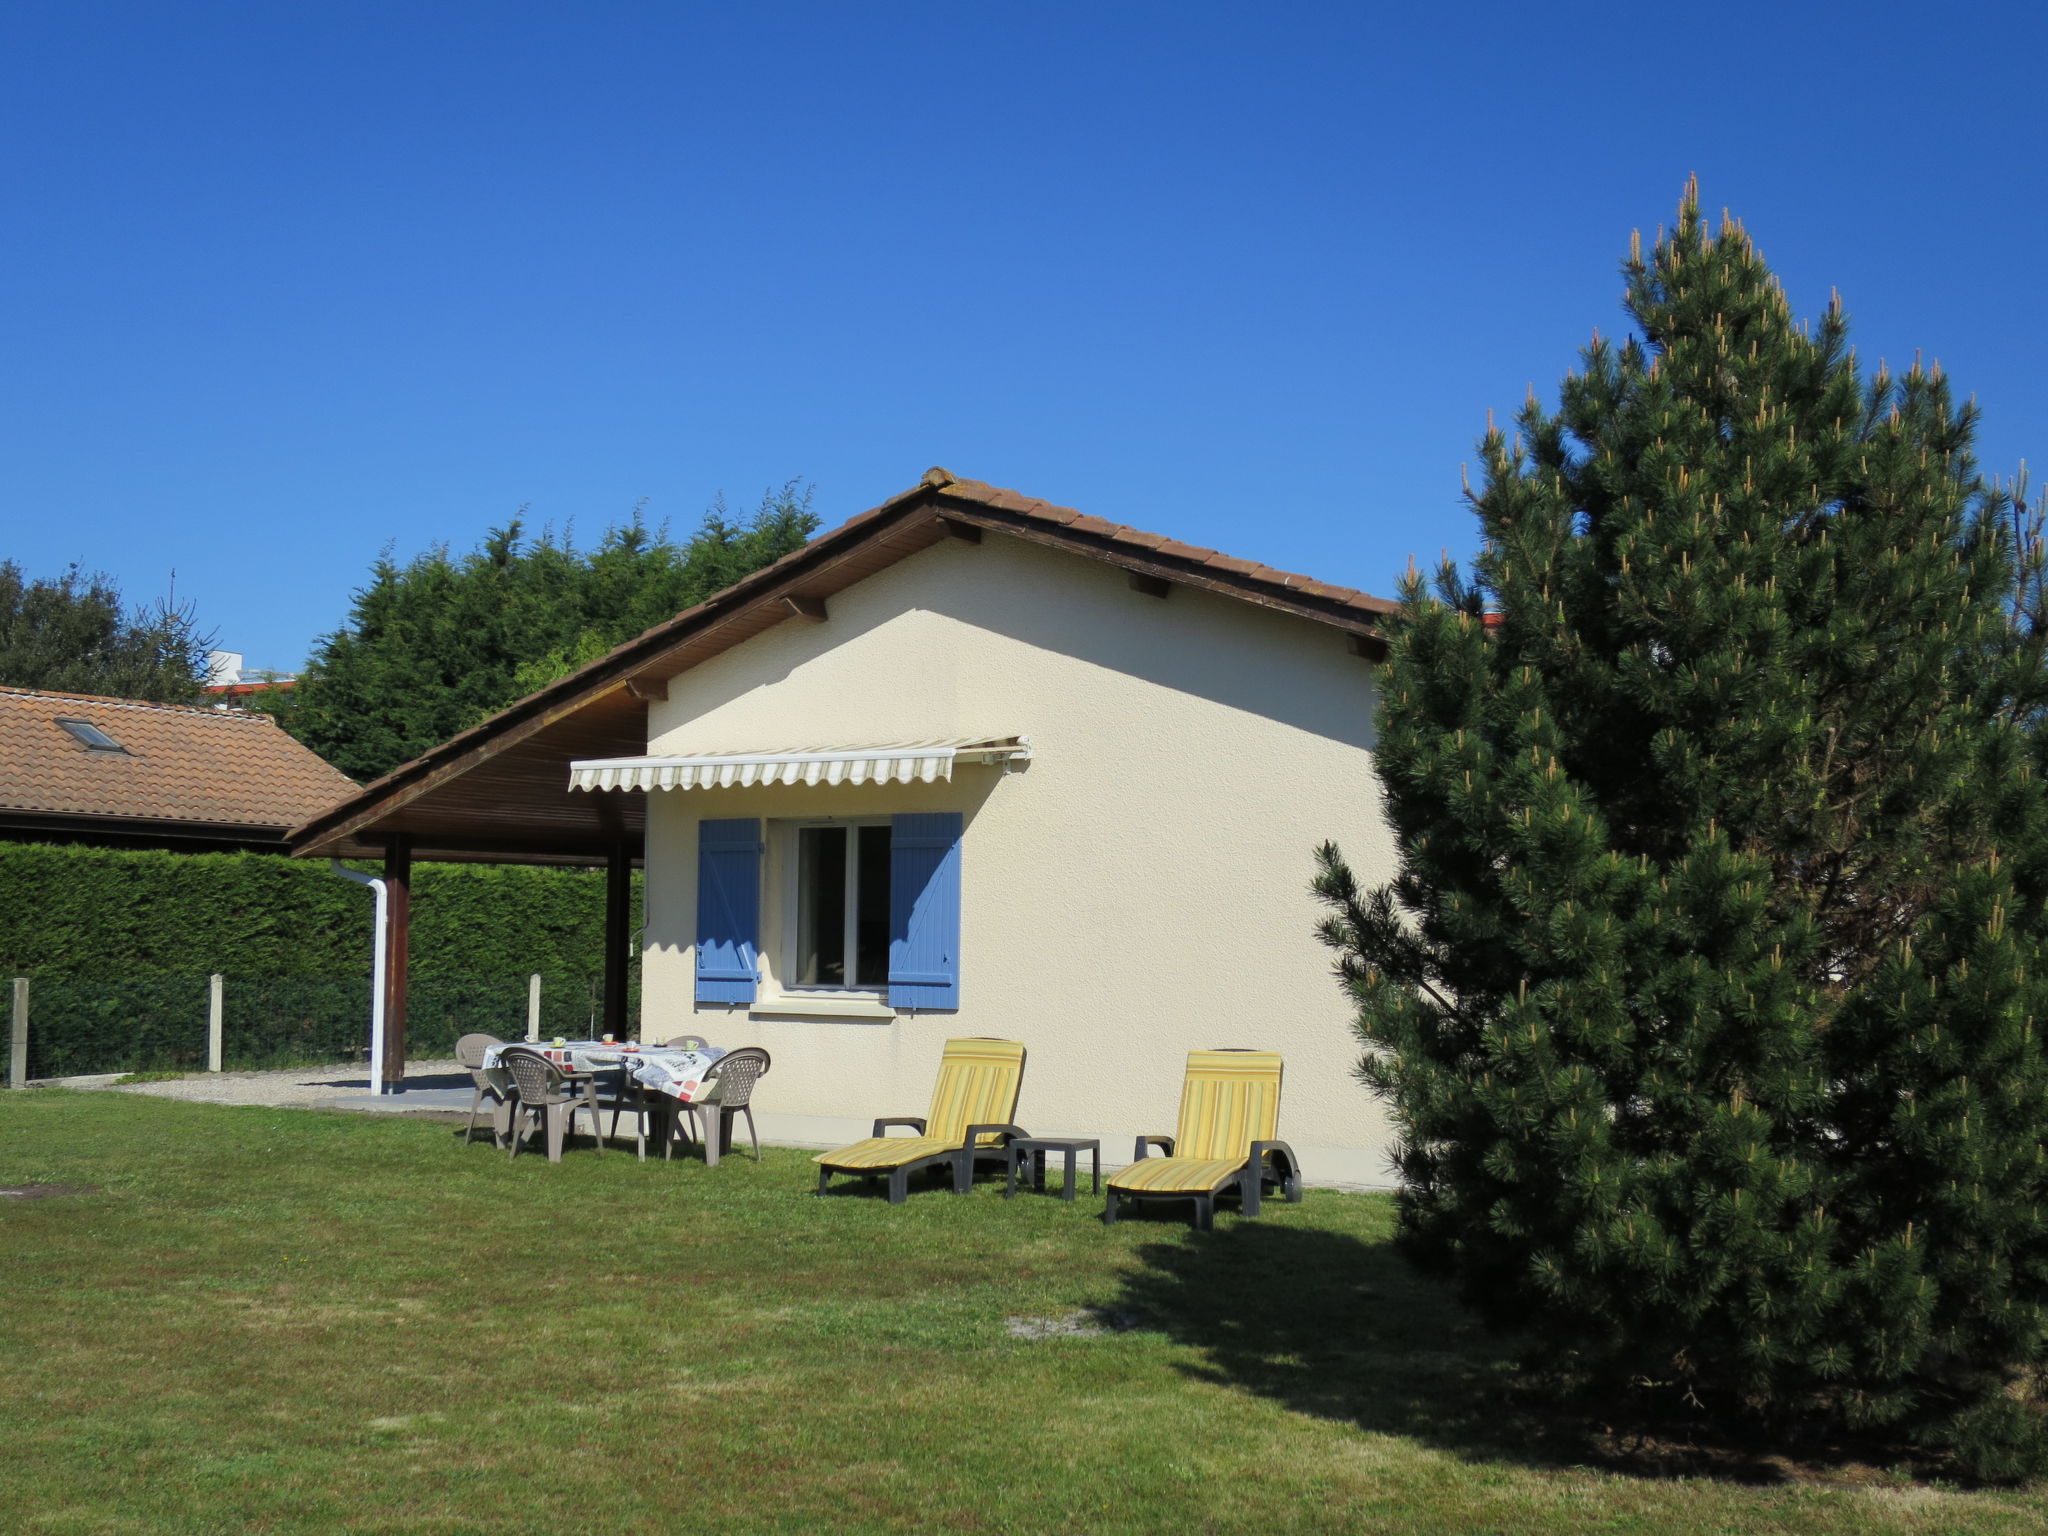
x=376, y=968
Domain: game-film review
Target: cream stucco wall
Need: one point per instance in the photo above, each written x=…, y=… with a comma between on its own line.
x=1137, y=891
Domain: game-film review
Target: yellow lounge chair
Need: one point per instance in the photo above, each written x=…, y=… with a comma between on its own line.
x=1229, y=1109
x=972, y=1103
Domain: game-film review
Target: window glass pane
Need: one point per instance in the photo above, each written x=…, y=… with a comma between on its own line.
x=821, y=907
x=871, y=914
x=92, y=736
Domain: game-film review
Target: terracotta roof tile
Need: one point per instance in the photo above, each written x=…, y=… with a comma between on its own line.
x=191, y=764
x=1231, y=563
x=1009, y=501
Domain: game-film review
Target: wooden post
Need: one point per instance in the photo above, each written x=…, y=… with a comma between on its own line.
x=213, y=1023
x=398, y=894
x=533, y=1006
x=618, y=932
x=17, y=1051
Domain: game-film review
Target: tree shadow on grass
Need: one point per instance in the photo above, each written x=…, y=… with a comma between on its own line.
x=1341, y=1328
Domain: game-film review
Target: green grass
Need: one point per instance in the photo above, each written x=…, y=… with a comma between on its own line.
x=148, y=1077
x=286, y=1321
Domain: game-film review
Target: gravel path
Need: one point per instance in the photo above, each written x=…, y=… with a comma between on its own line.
x=295, y=1086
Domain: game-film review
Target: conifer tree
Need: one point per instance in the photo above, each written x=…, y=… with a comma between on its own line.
x=441, y=642
x=1708, y=998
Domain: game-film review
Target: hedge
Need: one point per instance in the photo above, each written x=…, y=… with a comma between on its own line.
x=118, y=945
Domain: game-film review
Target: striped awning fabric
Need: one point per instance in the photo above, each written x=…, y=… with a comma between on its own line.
x=908, y=762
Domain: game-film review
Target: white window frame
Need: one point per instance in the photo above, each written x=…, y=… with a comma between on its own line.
x=790, y=886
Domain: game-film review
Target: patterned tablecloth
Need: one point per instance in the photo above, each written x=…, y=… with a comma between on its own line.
x=679, y=1074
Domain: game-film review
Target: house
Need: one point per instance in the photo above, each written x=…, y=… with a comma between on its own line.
x=124, y=773
x=229, y=680
x=967, y=765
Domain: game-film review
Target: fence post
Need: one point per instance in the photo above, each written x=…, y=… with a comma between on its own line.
x=533, y=1006
x=17, y=1053
x=213, y=1022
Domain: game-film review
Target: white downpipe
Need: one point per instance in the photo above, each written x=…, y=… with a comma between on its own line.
x=376, y=968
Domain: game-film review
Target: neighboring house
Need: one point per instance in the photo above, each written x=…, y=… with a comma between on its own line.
x=968, y=765
x=122, y=773
x=228, y=679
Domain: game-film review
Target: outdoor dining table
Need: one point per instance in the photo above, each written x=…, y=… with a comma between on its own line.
x=674, y=1073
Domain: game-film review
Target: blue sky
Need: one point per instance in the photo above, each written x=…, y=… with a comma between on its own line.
x=283, y=284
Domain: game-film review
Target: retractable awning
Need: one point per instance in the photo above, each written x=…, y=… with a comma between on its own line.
x=903, y=762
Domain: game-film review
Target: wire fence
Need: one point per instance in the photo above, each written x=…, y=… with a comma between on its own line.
x=74, y=1027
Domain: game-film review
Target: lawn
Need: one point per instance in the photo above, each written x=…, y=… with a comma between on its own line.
x=292, y=1321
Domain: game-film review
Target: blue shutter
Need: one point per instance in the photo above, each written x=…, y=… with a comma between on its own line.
x=924, y=911
x=728, y=910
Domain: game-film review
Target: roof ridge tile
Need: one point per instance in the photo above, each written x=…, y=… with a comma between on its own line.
x=105, y=701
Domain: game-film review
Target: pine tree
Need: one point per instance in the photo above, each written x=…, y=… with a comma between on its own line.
x=1708, y=998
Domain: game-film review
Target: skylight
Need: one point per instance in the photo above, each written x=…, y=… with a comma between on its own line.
x=91, y=736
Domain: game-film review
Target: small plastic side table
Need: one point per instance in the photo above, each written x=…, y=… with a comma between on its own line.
x=1035, y=1147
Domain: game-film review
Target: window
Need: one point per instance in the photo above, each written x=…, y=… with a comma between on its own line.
x=840, y=907
x=91, y=736
x=867, y=908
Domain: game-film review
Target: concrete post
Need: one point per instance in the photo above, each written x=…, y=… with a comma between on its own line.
x=17, y=1052
x=533, y=1006
x=213, y=1023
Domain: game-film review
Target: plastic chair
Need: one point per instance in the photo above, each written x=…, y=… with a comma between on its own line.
x=544, y=1092
x=469, y=1051
x=735, y=1073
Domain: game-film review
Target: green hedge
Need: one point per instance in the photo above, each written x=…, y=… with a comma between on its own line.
x=118, y=945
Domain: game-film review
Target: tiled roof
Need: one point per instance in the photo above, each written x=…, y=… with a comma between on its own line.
x=1136, y=541
x=181, y=764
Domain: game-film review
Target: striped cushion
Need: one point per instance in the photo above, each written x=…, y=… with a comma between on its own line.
x=1230, y=1100
x=978, y=1083
x=1177, y=1175
x=882, y=1152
